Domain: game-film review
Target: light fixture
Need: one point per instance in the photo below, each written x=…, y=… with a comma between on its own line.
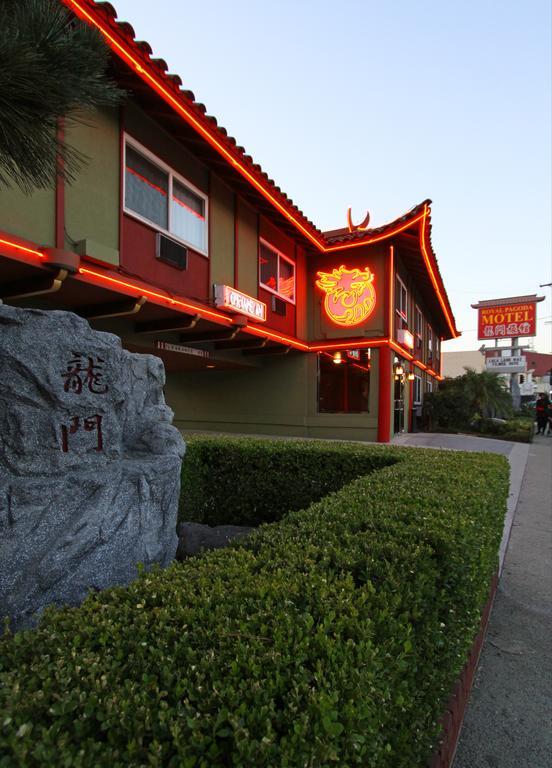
x=399, y=370
x=337, y=358
x=411, y=376
x=210, y=365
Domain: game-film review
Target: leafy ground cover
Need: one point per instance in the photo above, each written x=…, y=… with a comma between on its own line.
x=330, y=637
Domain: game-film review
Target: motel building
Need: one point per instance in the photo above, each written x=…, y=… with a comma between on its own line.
x=174, y=239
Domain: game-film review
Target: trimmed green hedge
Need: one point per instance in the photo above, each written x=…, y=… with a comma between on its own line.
x=249, y=481
x=333, y=637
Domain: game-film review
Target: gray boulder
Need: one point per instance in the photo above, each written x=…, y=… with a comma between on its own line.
x=89, y=462
x=194, y=538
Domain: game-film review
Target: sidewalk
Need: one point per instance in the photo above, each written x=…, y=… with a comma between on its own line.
x=516, y=453
x=508, y=721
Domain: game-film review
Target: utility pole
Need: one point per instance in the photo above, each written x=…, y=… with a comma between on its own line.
x=548, y=285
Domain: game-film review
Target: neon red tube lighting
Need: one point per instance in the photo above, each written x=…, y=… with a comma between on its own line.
x=376, y=238
x=188, y=115
x=288, y=340
x=348, y=344
x=427, y=260
x=140, y=290
x=391, y=289
x=210, y=136
x=22, y=248
x=400, y=350
x=146, y=292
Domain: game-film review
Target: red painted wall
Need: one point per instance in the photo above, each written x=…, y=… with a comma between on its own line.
x=277, y=322
x=138, y=257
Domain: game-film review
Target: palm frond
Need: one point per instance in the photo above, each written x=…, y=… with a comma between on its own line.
x=52, y=66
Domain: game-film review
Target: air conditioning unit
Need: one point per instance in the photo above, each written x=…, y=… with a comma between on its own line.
x=171, y=252
x=279, y=306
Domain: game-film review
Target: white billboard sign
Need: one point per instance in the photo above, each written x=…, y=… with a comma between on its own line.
x=512, y=364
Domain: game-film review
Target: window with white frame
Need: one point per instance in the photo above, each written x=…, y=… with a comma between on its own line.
x=418, y=328
x=401, y=303
x=417, y=397
x=430, y=344
x=429, y=386
x=154, y=193
x=276, y=272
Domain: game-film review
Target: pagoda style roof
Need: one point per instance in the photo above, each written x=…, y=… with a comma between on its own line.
x=163, y=96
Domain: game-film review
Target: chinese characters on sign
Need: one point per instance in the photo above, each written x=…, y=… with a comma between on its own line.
x=507, y=321
x=83, y=373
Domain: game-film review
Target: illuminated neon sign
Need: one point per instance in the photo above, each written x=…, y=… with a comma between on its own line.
x=229, y=298
x=350, y=295
x=406, y=338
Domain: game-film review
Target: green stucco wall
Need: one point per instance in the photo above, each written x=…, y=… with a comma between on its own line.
x=278, y=398
x=151, y=134
x=221, y=228
x=301, y=304
x=247, y=277
x=31, y=217
x=270, y=399
x=92, y=200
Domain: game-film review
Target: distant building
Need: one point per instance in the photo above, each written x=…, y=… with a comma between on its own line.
x=537, y=378
x=539, y=373
x=455, y=363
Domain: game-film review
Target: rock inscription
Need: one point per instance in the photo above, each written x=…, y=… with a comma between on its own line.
x=89, y=462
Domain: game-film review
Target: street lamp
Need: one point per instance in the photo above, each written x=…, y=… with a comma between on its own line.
x=548, y=285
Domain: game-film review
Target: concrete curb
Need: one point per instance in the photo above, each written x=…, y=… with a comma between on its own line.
x=518, y=462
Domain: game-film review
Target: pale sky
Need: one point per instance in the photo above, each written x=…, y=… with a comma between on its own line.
x=379, y=105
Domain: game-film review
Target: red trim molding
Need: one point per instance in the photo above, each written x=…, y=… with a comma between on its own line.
x=126, y=48
x=453, y=718
x=384, y=394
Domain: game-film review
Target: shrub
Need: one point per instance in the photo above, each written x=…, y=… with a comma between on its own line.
x=516, y=429
x=471, y=396
x=246, y=481
x=331, y=637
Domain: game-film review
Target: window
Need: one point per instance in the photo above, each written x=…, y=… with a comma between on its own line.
x=401, y=303
x=417, y=398
x=418, y=329
x=429, y=345
x=429, y=386
x=276, y=272
x=157, y=195
x=344, y=381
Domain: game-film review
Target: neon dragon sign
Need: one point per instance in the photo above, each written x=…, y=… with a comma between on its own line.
x=350, y=295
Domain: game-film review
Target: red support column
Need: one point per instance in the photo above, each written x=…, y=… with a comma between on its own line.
x=410, y=403
x=385, y=361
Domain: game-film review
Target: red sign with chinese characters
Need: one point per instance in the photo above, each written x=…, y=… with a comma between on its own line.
x=507, y=321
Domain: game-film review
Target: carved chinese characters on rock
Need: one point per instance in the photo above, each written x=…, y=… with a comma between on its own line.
x=84, y=374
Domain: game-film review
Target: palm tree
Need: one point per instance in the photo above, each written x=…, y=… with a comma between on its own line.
x=52, y=66
x=487, y=393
